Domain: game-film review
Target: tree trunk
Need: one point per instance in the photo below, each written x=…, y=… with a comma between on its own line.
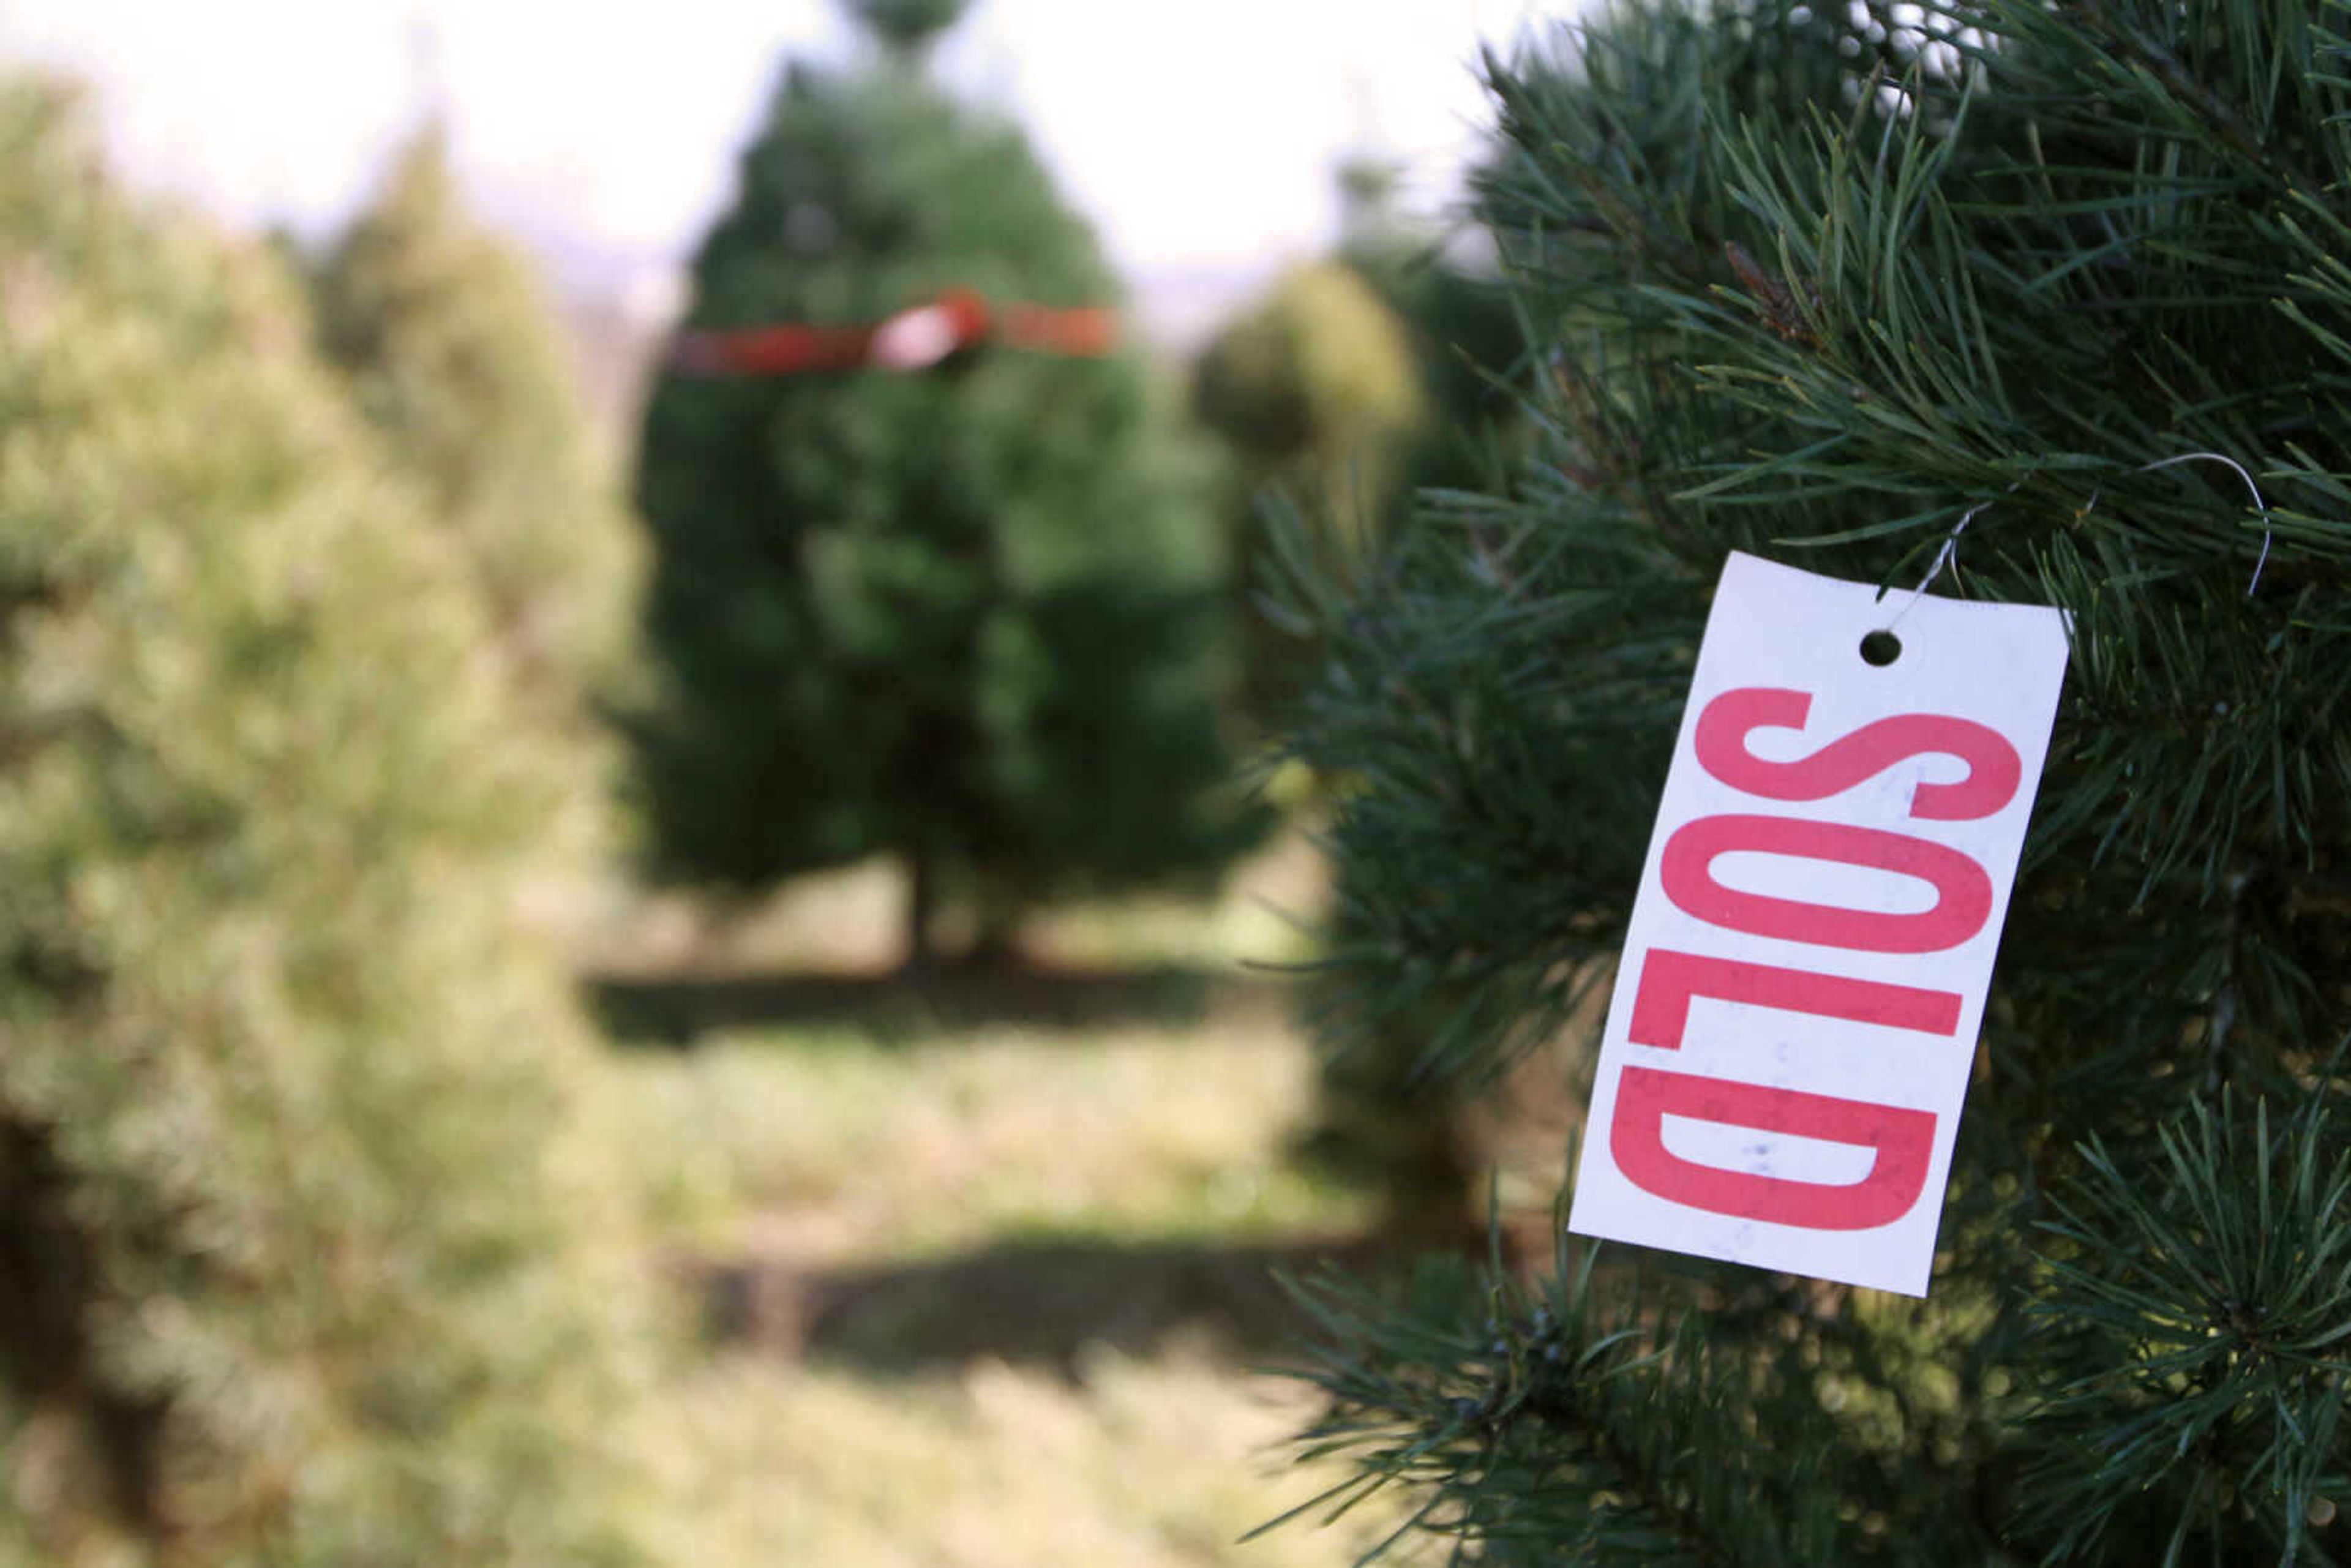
x=922, y=905
x=995, y=943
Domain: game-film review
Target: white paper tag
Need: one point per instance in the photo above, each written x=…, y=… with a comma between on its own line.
x=1797, y=1003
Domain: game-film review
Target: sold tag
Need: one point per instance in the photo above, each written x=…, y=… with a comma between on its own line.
x=1802, y=979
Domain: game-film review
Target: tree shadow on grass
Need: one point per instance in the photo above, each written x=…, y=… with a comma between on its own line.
x=678, y=1010
x=1035, y=1302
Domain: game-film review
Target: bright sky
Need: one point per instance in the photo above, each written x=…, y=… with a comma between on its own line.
x=1200, y=135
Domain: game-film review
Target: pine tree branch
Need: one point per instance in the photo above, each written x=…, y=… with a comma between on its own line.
x=2225, y=122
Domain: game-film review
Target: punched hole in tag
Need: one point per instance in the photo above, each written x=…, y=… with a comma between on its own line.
x=1881, y=648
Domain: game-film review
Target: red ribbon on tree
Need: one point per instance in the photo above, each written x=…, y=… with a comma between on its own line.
x=912, y=340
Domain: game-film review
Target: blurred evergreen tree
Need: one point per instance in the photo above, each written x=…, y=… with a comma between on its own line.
x=456, y=356
x=1464, y=328
x=1314, y=393
x=1353, y=383
x=310, y=1252
x=1316, y=389
x=1353, y=386
x=1811, y=282
x=908, y=26
x=969, y=615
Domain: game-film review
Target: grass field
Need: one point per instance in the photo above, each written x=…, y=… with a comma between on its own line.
x=986, y=1268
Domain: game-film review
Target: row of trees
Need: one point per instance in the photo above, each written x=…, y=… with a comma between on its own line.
x=315, y=604
x=311, y=1250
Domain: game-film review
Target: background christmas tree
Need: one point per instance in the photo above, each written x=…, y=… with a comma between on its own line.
x=1315, y=388
x=1812, y=284
x=1464, y=329
x=311, y=1246
x=455, y=357
x=449, y=348
x=970, y=614
x=1352, y=384
x=1315, y=392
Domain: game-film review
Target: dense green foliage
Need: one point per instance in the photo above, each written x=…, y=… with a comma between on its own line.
x=1315, y=395
x=1315, y=388
x=1352, y=385
x=1354, y=380
x=1463, y=325
x=907, y=23
x=1811, y=284
x=308, y=1251
x=457, y=358
x=969, y=615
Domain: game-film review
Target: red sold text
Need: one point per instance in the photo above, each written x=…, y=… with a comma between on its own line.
x=1901, y=1140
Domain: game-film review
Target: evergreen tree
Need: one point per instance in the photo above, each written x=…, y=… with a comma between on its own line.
x=1812, y=283
x=968, y=615
x=310, y=1253
x=1313, y=391
x=1316, y=389
x=1464, y=331
x=1353, y=383
x=457, y=358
